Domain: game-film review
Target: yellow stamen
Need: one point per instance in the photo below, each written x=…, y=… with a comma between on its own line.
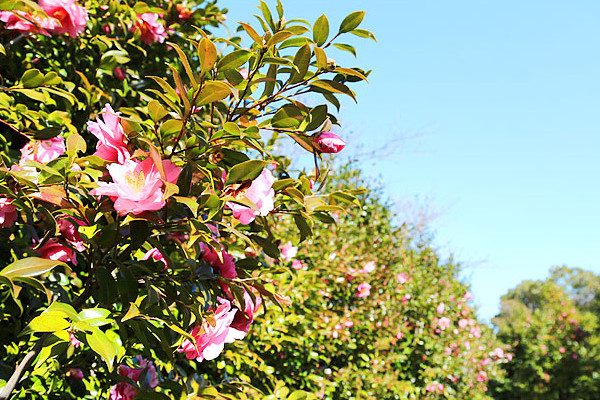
x=136, y=181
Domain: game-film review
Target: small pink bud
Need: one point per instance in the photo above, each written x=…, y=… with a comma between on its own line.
x=328, y=142
x=119, y=74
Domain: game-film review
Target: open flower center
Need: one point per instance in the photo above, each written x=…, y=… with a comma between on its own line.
x=136, y=180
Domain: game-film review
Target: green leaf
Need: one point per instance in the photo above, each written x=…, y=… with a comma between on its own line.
x=52, y=78
x=363, y=34
x=66, y=309
x=318, y=115
x=321, y=58
x=246, y=170
x=2, y=49
x=102, y=345
x=33, y=94
x=156, y=110
x=298, y=395
x=288, y=116
x=139, y=230
x=279, y=37
x=190, y=203
x=49, y=322
x=321, y=30
x=76, y=143
x=346, y=47
x=171, y=126
x=252, y=33
x=234, y=59
x=231, y=127
x=31, y=266
x=301, y=61
x=207, y=55
x=267, y=14
x=186, y=65
x=351, y=72
x=213, y=91
x=303, y=226
x=351, y=22
x=333, y=87
x=131, y=313
x=32, y=78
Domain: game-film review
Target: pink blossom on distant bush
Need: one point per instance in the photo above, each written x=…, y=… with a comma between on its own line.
x=27, y=23
x=328, y=142
x=499, y=352
x=261, y=193
x=225, y=267
x=440, y=308
x=363, y=290
x=288, y=251
x=156, y=255
x=111, y=144
x=43, y=151
x=482, y=376
x=402, y=278
x=468, y=296
x=297, y=264
x=369, y=267
x=444, y=323
x=137, y=186
x=399, y=335
x=210, y=340
x=561, y=350
x=75, y=374
x=53, y=250
x=151, y=30
x=8, y=212
x=71, y=18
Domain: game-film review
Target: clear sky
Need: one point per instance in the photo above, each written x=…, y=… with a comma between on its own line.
x=497, y=104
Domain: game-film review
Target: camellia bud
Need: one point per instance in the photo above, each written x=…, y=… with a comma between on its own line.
x=328, y=142
x=119, y=74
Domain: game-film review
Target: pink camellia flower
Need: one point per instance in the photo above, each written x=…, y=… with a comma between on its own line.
x=71, y=18
x=440, y=308
x=243, y=320
x=119, y=73
x=156, y=255
x=405, y=298
x=288, y=251
x=363, y=290
x=328, y=142
x=402, y=278
x=43, y=151
x=52, y=250
x=151, y=30
x=8, y=212
x=75, y=374
x=561, y=350
x=444, y=323
x=476, y=331
x=210, y=340
x=482, y=376
x=509, y=357
x=297, y=264
x=468, y=296
x=111, y=144
x=499, y=352
x=399, y=335
x=126, y=391
x=69, y=232
x=226, y=267
x=348, y=324
x=463, y=323
x=21, y=21
x=137, y=186
x=260, y=193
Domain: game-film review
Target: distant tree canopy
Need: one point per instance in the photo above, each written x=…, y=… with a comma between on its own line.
x=553, y=326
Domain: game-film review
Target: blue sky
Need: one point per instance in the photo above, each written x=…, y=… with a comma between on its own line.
x=494, y=109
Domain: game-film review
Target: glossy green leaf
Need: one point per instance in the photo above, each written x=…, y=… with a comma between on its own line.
x=31, y=266
x=213, y=91
x=207, y=55
x=288, y=116
x=252, y=33
x=363, y=34
x=234, y=59
x=246, y=170
x=156, y=110
x=186, y=65
x=346, y=47
x=321, y=58
x=52, y=78
x=333, y=87
x=279, y=37
x=102, y=345
x=49, y=322
x=351, y=22
x=76, y=143
x=301, y=61
x=321, y=30
x=32, y=78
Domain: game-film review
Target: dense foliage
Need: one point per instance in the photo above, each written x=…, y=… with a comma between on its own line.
x=375, y=314
x=138, y=166
x=554, y=328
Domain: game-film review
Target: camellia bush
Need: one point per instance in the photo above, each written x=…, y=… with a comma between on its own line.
x=375, y=314
x=141, y=198
x=554, y=329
